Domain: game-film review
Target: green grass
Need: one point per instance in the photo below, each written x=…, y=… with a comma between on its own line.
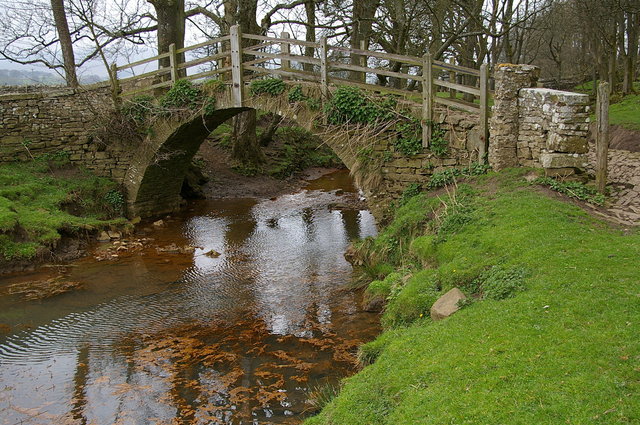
x=626, y=113
x=552, y=337
x=44, y=198
x=623, y=110
x=587, y=87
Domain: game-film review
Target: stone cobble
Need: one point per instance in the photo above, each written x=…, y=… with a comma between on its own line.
x=623, y=178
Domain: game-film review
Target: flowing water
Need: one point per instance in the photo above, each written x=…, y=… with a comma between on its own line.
x=155, y=336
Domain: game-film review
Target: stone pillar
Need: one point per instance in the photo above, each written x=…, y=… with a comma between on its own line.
x=503, y=126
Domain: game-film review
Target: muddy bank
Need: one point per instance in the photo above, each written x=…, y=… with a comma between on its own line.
x=619, y=138
x=69, y=248
x=225, y=182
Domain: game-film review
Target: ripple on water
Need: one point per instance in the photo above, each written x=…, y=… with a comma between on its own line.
x=240, y=337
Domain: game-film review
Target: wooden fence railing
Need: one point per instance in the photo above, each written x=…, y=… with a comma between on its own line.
x=418, y=79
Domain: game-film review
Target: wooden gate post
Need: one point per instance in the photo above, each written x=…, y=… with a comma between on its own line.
x=363, y=62
x=237, y=87
x=324, y=71
x=452, y=79
x=427, y=99
x=484, y=114
x=602, y=135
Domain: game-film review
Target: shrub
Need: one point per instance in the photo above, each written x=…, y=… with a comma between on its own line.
x=271, y=86
x=138, y=108
x=501, y=282
x=574, y=190
x=295, y=94
x=115, y=199
x=409, y=139
x=351, y=105
x=438, y=144
x=213, y=86
x=183, y=94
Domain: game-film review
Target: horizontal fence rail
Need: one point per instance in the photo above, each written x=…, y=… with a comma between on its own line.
x=238, y=58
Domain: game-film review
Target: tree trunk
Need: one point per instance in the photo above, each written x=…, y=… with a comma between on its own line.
x=267, y=136
x=171, y=18
x=364, y=12
x=310, y=34
x=60, y=19
x=246, y=148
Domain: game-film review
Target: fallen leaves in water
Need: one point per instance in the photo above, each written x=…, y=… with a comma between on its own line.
x=41, y=289
x=212, y=254
x=175, y=249
x=216, y=372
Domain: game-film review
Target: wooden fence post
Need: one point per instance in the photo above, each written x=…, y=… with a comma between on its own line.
x=427, y=99
x=324, y=71
x=285, y=64
x=173, y=63
x=452, y=79
x=484, y=114
x=602, y=135
x=236, y=66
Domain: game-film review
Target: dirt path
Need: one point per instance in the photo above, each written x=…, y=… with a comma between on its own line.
x=224, y=182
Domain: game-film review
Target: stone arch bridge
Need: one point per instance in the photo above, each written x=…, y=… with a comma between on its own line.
x=152, y=168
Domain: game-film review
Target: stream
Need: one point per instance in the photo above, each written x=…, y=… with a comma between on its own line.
x=233, y=312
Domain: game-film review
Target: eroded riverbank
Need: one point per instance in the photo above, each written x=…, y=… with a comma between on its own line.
x=164, y=337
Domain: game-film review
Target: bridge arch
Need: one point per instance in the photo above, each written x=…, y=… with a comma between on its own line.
x=155, y=175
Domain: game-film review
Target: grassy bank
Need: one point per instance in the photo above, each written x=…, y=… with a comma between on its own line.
x=623, y=110
x=551, y=333
x=626, y=113
x=45, y=198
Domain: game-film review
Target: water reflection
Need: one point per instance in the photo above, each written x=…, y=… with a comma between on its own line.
x=160, y=338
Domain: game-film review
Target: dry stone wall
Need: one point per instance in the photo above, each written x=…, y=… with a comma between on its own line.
x=39, y=122
x=505, y=119
x=462, y=134
x=537, y=127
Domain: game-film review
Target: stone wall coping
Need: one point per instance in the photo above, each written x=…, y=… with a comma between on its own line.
x=552, y=94
x=52, y=93
x=516, y=67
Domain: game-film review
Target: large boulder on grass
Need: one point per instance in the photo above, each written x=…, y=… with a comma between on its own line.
x=447, y=304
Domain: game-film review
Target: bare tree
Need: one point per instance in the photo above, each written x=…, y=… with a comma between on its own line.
x=66, y=45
